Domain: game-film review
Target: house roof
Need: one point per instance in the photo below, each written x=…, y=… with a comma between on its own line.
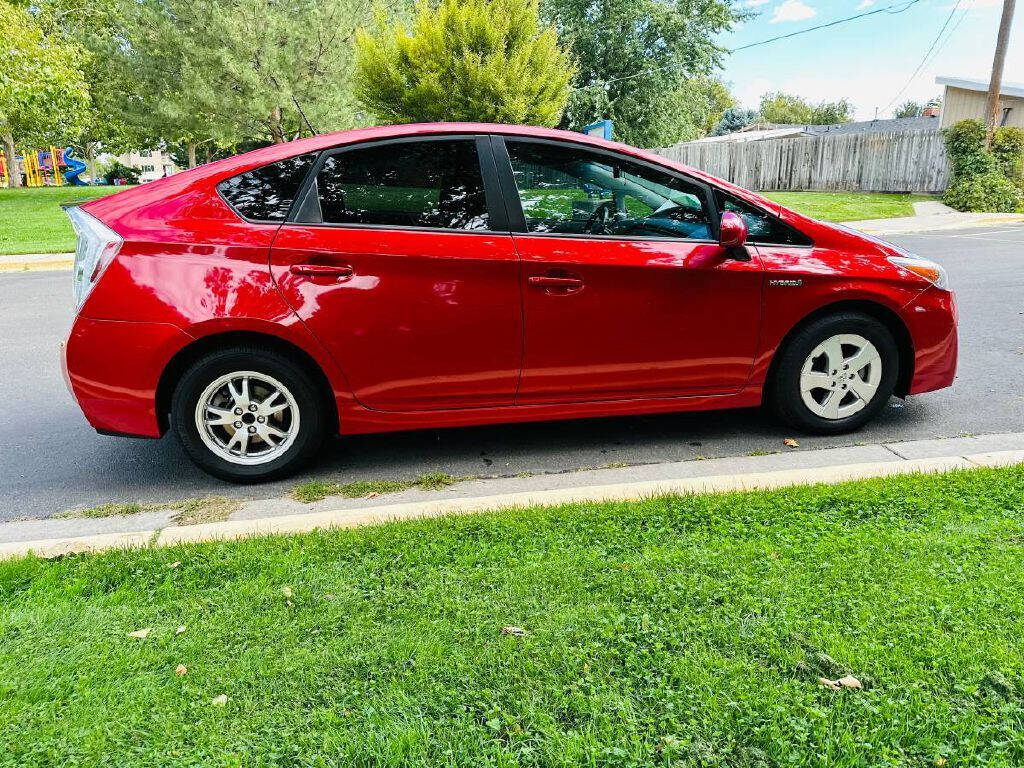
x=895, y=125
x=763, y=131
x=969, y=84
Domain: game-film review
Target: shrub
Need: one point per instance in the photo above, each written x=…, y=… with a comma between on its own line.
x=118, y=170
x=1008, y=150
x=989, y=192
x=985, y=181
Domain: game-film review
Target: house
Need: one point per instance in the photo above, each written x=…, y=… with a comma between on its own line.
x=153, y=163
x=965, y=99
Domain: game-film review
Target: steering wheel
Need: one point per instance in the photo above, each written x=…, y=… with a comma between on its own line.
x=599, y=218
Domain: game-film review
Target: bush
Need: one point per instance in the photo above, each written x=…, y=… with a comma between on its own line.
x=989, y=192
x=118, y=170
x=985, y=181
x=1008, y=150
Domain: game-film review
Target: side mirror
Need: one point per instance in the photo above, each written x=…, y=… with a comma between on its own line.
x=733, y=230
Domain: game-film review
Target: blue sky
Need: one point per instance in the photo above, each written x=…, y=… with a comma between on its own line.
x=868, y=60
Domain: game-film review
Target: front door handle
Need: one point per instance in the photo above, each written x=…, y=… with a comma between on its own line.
x=556, y=282
x=337, y=271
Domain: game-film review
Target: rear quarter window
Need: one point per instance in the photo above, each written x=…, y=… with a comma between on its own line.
x=267, y=193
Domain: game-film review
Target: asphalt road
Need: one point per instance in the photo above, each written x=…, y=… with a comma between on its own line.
x=51, y=460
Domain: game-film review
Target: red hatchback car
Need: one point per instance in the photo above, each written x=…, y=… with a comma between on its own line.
x=453, y=274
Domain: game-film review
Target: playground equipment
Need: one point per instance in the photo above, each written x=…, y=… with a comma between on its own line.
x=75, y=168
x=43, y=168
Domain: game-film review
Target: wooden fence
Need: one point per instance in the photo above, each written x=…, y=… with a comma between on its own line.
x=908, y=161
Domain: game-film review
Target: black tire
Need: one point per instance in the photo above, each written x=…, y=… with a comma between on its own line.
x=312, y=418
x=784, y=395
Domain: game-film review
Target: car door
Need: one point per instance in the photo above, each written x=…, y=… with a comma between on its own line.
x=627, y=293
x=398, y=258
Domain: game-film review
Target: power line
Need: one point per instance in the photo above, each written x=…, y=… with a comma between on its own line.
x=906, y=4
x=925, y=57
x=899, y=8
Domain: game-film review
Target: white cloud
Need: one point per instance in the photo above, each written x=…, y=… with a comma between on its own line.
x=793, y=10
x=865, y=4
x=755, y=3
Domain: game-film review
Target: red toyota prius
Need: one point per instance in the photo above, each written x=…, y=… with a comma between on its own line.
x=452, y=274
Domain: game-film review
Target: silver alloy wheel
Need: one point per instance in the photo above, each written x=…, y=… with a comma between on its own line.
x=247, y=418
x=840, y=376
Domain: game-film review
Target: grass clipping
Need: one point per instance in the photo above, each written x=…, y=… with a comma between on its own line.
x=317, y=490
x=211, y=509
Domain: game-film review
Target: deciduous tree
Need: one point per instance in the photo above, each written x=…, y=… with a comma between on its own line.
x=42, y=92
x=635, y=58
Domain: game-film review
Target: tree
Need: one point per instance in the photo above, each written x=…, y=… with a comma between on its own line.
x=733, y=120
x=96, y=28
x=778, y=107
x=635, y=58
x=210, y=74
x=785, y=108
x=477, y=60
x=705, y=100
x=42, y=92
x=908, y=108
x=831, y=112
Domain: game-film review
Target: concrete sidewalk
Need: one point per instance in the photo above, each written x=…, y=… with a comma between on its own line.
x=53, y=537
x=933, y=216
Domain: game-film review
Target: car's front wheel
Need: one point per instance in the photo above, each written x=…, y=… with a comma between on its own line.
x=835, y=374
x=247, y=415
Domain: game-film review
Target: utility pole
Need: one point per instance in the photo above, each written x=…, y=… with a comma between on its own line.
x=996, y=83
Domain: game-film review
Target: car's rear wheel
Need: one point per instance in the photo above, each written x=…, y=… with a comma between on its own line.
x=248, y=415
x=835, y=374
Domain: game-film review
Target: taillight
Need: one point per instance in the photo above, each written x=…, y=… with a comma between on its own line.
x=97, y=246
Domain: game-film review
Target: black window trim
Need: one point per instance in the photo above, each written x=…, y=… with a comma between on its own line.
x=291, y=207
x=497, y=217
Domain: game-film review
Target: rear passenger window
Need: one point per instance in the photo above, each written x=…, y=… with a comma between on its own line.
x=434, y=184
x=267, y=193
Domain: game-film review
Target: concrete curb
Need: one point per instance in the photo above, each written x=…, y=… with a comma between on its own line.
x=59, y=262
x=349, y=518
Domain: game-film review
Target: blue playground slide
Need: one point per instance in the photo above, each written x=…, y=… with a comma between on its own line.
x=75, y=168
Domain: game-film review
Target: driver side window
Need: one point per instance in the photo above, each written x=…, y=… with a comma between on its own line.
x=574, y=191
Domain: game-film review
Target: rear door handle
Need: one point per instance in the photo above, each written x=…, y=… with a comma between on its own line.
x=549, y=281
x=337, y=271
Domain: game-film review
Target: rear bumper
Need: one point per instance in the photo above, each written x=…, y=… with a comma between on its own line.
x=113, y=368
x=931, y=319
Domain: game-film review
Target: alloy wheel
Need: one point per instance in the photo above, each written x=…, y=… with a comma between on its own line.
x=840, y=376
x=247, y=417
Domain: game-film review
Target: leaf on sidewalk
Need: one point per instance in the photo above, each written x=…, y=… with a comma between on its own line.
x=791, y=443
x=141, y=634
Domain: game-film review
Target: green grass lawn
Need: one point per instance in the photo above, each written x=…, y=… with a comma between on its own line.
x=681, y=631
x=848, y=206
x=31, y=220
